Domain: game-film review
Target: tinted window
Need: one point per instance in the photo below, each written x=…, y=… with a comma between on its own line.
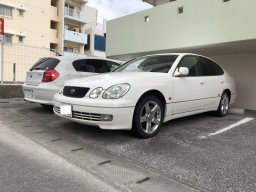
x=160, y=64
x=112, y=65
x=45, y=64
x=191, y=62
x=92, y=66
x=210, y=68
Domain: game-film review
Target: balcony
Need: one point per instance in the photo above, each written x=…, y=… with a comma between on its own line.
x=76, y=15
x=54, y=15
x=54, y=36
x=75, y=37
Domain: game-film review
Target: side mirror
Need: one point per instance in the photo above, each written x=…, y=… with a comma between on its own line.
x=181, y=71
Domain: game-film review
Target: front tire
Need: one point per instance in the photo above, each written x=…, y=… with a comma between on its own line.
x=148, y=117
x=223, y=105
x=46, y=106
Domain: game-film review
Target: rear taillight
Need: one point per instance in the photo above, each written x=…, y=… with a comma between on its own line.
x=50, y=76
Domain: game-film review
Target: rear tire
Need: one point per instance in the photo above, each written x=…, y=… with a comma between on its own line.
x=223, y=105
x=148, y=117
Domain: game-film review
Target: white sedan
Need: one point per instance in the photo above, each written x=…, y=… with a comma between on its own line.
x=147, y=91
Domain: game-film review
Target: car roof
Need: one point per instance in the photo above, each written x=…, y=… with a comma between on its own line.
x=76, y=57
x=180, y=54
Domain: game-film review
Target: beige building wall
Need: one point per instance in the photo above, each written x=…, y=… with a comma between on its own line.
x=33, y=26
x=46, y=27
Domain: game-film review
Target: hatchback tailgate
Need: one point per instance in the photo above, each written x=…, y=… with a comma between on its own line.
x=34, y=77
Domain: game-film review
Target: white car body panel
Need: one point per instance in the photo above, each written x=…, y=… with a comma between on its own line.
x=183, y=95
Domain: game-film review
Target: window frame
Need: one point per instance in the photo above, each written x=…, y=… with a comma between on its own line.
x=199, y=69
x=215, y=64
x=5, y=7
x=198, y=57
x=89, y=63
x=11, y=38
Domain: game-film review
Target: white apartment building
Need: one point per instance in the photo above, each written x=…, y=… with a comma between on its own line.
x=35, y=29
x=221, y=29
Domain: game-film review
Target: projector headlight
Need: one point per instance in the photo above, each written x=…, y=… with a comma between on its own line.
x=116, y=91
x=96, y=92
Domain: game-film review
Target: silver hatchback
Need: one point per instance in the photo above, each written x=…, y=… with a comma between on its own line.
x=49, y=73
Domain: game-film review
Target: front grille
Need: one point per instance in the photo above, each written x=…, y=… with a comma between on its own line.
x=81, y=115
x=86, y=116
x=76, y=92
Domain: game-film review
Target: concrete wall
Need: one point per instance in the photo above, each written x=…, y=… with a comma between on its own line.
x=203, y=22
x=10, y=91
x=243, y=68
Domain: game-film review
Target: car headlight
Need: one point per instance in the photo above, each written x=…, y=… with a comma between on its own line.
x=116, y=91
x=60, y=88
x=96, y=92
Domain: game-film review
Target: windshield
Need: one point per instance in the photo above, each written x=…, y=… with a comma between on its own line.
x=159, y=64
x=46, y=63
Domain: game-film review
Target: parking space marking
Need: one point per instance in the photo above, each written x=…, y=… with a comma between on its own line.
x=243, y=121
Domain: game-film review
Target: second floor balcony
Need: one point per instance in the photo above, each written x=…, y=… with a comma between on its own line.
x=76, y=15
x=75, y=37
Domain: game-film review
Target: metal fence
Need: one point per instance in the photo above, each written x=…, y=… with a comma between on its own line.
x=17, y=59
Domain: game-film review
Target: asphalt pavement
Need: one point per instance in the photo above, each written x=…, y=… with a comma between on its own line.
x=184, y=156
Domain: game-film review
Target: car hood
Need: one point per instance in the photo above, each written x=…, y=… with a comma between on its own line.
x=109, y=79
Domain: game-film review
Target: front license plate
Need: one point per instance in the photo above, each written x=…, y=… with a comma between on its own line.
x=66, y=110
x=29, y=93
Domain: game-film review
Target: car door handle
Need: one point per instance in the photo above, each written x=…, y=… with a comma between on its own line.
x=201, y=82
x=221, y=82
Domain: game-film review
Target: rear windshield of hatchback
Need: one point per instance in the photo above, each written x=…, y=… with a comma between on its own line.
x=46, y=63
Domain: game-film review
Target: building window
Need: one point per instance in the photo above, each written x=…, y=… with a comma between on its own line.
x=21, y=39
x=5, y=11
x=180, y=10
x=87, y=46
x=68, y=49
x=99, y=43
x=8, y=38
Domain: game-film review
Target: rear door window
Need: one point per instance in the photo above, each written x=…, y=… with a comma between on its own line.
x=46, y=63
x=92, y=66
x=210, y=68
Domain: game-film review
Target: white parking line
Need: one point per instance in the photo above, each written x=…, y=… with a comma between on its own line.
x=243, y=121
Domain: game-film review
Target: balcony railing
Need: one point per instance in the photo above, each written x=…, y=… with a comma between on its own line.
x=75, y=15
x=75, y=37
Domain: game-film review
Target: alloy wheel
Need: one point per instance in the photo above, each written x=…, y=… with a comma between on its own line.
x=150, y=117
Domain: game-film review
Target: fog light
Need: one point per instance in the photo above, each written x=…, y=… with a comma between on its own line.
x=106, y=117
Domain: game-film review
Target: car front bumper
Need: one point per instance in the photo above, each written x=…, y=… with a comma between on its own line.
x=86, y=113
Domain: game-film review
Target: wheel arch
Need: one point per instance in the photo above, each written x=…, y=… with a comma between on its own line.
x=155, y=93
x=228, y=92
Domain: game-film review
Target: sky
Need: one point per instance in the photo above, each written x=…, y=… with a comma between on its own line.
x=111, y=9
